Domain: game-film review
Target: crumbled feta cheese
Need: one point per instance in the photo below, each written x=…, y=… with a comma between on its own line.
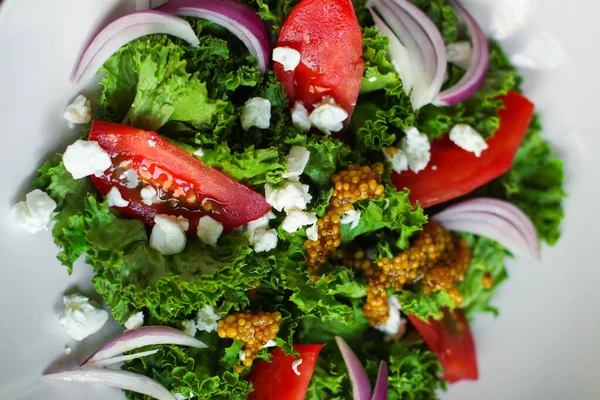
x=68, y=350
x=135, y=320
x=300, y=117
x=84, y=158
x=312, y=233
x=79, y=111
x=149, y=195
x=209, y=230
x=129, y=179
x=289, y=197
x=295, y=365
x=242, y=355
x=270, y=343
x=152, y=143
x=34, y=214
x=199, y=152
x=206, y=319
x=115, y=199
x=373, y=79
x=256, y=112
x=460, y=54
x=296, y=160
x=350, y=217
x=467, y=138
x=189, y=327
x=80, y=318
x=297, y=219
x=261, y=223
x=286, y=56
x=264, y=240
x=393, y=322
x=328, y=116
x=397, y=158
x=417, y=148
x=168, y=234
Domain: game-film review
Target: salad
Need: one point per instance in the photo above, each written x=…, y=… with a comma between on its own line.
x=294, y=199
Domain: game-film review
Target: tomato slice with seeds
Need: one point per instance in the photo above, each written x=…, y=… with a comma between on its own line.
x=327, y=35
x=182, y=184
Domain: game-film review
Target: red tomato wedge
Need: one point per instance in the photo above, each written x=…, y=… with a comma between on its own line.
x=278, y=381
x=327, y=35
x=185, y=186
x=451, y=340
x=458, y=172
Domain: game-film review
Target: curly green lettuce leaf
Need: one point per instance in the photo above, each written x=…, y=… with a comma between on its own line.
x=443, y=16
x=273, y=12
x=153, y=70
x=379, y=71
x=487, y=259
x=394, y=212
x=535, y=184
x=415, y=302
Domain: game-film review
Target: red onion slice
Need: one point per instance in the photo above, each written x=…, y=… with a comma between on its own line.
x=126, y=29
x=140, y=337
x=116, y=378
x=478, y=68
x=361, y=387
x=494, y=219
x=424, y=46
x=240, y=19
x=381, y=386
x=114, y=360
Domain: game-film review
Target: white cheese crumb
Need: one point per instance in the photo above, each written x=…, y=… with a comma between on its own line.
x=417, y=148
x=328, y=116
x=264, y=240
x=207, y=319
x=68, y=350
x=467, y=138
x=295, y=366
x=129, y=179
x=260, y=223
x=373, y=79
x=312, y=233
x=286, y=56
x=271, y=343
x=84, y=158
x=34, y=214
x=300, y=117
x=115, y=199
x=296, y=160
x=80, y=318
x=256, y=112
x=151, y=143
x=393, y=322
x=168, y=234
x=460, y=54
x=242, y=355
x=297, y=219
x=397, y=158
x=351, y=217
x=135, y=320
x=209, y=230
x=79, y=111
x=289, y=197
x=189, y=327
x=199, y=152
x=149, y=195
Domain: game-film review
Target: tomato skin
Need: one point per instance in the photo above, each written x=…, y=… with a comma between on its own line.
x=452, y=342
x=278, y=381
x=329, y=39
x=167, y=166
x=458, y=172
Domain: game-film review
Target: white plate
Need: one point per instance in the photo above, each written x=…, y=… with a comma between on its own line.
x=543, y=346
